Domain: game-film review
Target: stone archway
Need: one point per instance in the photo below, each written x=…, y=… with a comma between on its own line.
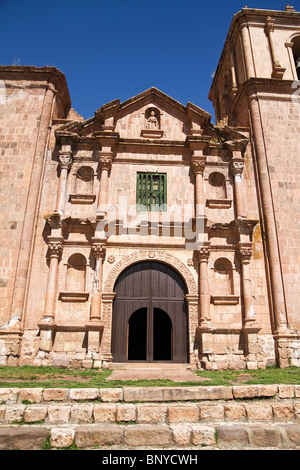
x=109, y=295
x=141, y=255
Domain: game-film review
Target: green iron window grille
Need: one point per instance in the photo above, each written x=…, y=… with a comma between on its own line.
x=151, y=194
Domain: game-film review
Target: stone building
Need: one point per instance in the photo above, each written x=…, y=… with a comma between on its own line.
x=146, y=233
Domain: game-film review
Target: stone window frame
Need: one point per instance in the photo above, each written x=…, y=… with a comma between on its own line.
x=143, y=204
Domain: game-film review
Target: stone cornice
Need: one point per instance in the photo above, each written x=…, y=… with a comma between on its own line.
x=42, y=74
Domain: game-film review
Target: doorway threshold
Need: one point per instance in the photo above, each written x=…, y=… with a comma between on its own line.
x=148, y=366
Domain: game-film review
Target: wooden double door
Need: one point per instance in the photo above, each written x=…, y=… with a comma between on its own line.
x=150, y=315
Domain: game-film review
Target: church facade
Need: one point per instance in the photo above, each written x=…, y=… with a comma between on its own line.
x=146, y=233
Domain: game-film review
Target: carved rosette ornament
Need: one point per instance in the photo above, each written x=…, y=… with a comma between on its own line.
x=55, y=249
x=65, y=159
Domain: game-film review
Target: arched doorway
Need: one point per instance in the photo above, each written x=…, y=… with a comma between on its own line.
x=149, y=320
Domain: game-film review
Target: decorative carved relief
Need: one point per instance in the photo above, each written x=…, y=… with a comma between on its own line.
x=99, y=250
x=55, y=249
x=65, y=159
x=162, y=256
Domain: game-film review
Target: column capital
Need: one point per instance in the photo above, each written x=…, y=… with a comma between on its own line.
x=198, y=164
x=203, y=253
x=65, y=159
x=55, y=247
x=269, y=24
x=244, y=251
x=237, y=166
x=105, y=160
x=98, y=248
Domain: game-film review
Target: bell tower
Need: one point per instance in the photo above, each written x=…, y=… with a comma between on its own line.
x=256, y=89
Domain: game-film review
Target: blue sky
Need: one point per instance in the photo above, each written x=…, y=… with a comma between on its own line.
x=118, y=48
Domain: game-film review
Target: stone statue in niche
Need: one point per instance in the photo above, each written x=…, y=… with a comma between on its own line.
x=152, y=121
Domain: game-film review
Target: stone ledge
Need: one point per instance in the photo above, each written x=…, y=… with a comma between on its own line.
x=150, y=413
x=181, y=436
x=149, y=394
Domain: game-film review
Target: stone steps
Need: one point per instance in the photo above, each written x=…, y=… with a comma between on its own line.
x=201, y=417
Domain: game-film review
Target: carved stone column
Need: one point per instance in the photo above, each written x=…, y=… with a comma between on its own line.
x=99, y=251
x=105, y=163
x=198, y=166
x=278, y=71
x=245, y=254
x=65, y=162
x=233, y=70
x=247, y=51
x=47, y=325
x=237, y=168
x=203, y=254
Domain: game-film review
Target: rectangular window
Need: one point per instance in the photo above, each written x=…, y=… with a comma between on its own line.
x=151, y=192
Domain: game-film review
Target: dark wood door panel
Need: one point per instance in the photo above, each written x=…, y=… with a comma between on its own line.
x=150, y=285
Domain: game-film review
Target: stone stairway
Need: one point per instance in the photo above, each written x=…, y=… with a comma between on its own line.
x=160, y=418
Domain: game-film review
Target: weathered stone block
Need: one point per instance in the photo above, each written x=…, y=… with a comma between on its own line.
x=82, y=413
x=62, y=437
x=286, y=391
x=14, y=413
x=34, y=413
x=2, y=413
x=181, y=434
x=97, y=435
x=84, y=393
x=264, y=436
x=148, y=435
x=183, y=414
x=293, y=433
x=33, y=395
x=231, y=436
x=151, y=414
x=211, y=412
x=259, y=412
x=56, y=394
x=126, y=412
x=235, y=412
x=23, y=438
x=59, y=414
x=283, y=411
x=245, y=391
x=105, y=413
x=267, y=390
x=111, y=394
x=8, y=395
x=203, y=435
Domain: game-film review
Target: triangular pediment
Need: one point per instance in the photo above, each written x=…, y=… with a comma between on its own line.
x=149, y=115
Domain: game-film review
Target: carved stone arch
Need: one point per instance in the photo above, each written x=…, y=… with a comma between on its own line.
x=161, y=256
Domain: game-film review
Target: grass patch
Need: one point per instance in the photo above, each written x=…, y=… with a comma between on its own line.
x=52, y=377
